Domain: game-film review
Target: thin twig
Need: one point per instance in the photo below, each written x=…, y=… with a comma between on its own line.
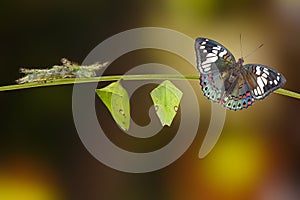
x=67, y=81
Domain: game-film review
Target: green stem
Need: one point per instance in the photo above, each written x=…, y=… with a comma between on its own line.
x=67, y=81
x=287, y=93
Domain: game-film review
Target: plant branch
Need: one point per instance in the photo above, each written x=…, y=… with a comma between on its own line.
x=67, y=81
x=287, y=93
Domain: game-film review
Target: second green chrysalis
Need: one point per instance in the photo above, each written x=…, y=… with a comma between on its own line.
x=166, y=98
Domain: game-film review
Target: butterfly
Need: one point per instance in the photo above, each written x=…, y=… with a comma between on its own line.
x=230, y=83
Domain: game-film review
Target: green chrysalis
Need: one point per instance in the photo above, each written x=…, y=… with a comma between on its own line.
x=115, y=98
x=166, y=98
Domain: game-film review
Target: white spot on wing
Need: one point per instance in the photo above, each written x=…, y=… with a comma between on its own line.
x=266, y=71
x=264, y=75
x=217, y=47
x=223, y=53
x=271, y=82
x=210, y=58
x=260, y=84
x=211, y=55
x=204, y=51
x=203, y=43
x=206, y=69
x=278, y=78
x=264, y=80
x=206, y=65
x=275, y=82
x=202, y=47
x=258, y=71
x=215, y=51
x=258, y=90
x=255, y=92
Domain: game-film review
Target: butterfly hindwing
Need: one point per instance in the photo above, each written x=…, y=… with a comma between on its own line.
x=212, y=56
x=240, y=97
x=212, y=86
x=262, y=80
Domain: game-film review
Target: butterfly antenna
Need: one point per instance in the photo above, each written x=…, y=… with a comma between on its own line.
x=241, y=48
x=260, y=46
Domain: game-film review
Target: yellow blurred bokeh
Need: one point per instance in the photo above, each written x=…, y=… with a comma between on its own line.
x=27, y=179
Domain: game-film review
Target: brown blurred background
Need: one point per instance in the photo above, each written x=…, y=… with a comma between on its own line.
x=41, y=155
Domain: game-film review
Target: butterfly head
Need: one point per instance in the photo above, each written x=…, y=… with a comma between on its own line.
x=240, y=62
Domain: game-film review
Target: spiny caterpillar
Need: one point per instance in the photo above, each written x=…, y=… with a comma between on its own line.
x=68, y=69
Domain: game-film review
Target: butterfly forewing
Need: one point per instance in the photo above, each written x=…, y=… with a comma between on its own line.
x=262, y=80
x=212, y=56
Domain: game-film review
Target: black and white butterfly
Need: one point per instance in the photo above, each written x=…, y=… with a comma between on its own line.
x=230, y=83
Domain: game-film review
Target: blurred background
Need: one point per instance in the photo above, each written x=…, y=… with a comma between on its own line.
x=41, y=156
